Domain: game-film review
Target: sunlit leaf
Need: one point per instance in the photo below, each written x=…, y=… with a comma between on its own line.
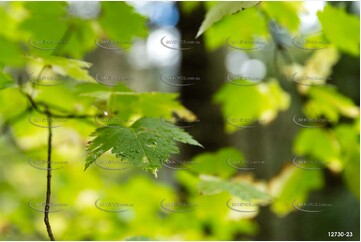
x=72, y=101
x=341, y=29
x=131, y=24
x=13, y=102
x=218, y=163
x=211, y=185
x=293, y=185
x=75, y=69
x=228, y=30
x=11, y=13
x=325, y=149
x=10, y=53
x=218, y=11
x=316, y=70
x=5, y=80
x=246, y=106
x=46, y=24
x=348, y=137
x=160, y=105
x=81, y=39
x=285, y=13
x=328, y=102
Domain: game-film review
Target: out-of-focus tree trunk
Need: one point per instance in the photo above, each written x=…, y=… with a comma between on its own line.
x=198, y=97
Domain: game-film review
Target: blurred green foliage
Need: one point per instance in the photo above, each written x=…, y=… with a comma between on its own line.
x=210, y=183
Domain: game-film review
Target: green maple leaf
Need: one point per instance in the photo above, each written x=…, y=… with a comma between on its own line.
x=122, y=30
x=293, y=184
x=75, y=69
x=341, y=29
x=146, y=144
x=220, y=10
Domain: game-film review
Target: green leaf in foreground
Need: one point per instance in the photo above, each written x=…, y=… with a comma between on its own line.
x=220, y=10
x=146, y=144
x=75, y=69
x=211, y=185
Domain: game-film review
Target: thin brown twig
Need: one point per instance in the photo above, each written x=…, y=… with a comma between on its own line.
x=48, y=178
x=49, y=115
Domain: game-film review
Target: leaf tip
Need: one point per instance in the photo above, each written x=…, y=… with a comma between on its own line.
x=199, y=34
